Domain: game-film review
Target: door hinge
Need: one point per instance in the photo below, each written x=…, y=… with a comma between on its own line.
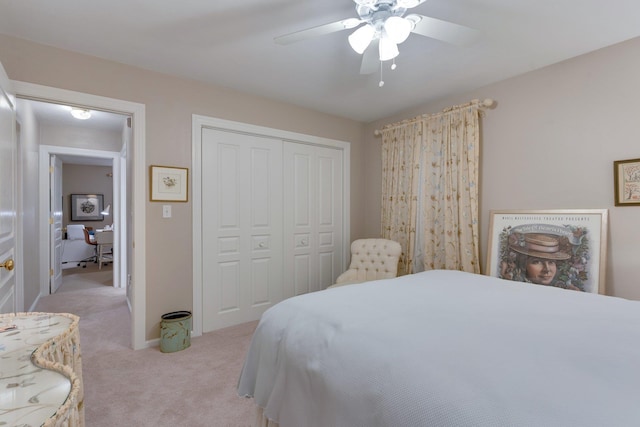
x=50, y=169
x=50, y=221
x=51, y=272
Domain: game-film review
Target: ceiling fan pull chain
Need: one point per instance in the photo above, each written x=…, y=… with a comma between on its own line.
x=393, y=65
x=381, y=81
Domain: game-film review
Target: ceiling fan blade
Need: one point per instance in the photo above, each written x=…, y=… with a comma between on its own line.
x=320, y=30
x=449, y=32
x=370, y=59
x=410, y=3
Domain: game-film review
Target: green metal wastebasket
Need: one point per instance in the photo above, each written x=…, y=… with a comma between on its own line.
x=175, y=331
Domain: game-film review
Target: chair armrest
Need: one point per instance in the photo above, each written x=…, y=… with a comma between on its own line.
x=348, y=277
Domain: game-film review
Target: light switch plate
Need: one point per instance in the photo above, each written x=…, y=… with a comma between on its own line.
x=166, y=211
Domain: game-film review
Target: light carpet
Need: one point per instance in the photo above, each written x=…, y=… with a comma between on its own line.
x=192, y=387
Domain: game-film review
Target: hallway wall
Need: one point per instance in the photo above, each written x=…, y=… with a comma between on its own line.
x=29, y=137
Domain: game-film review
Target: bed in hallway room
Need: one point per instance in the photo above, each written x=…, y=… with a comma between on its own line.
x=75, y=252
x=446, y=348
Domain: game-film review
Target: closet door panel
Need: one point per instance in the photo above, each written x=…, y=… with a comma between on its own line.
x=329, y=229
x=260, y=283
x=301, y=183
x=312, y=217
x=227, y=170
x=302, y=274
x=229, y=291
x=298, y=220
x=242, y=227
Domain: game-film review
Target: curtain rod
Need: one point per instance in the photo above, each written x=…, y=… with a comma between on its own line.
x=485, y=103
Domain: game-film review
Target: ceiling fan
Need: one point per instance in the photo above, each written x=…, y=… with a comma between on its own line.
x=385, y=27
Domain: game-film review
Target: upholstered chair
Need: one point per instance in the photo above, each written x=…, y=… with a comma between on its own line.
x=371, y=259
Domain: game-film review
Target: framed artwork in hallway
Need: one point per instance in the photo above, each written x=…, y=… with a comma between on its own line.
x=87, y=207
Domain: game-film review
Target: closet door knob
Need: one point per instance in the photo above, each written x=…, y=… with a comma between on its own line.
x=8, y=264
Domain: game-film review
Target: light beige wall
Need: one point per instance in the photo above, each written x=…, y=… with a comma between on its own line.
x=550, y=144
x=170, y=103
x=85, y=179
x=78, y=137
x=28, y=143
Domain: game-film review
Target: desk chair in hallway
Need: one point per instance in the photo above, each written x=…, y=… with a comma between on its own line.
x=89, y=241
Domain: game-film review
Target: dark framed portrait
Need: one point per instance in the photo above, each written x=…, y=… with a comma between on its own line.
x=87, y=207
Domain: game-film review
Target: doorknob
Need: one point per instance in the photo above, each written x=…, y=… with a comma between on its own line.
x=8, y=264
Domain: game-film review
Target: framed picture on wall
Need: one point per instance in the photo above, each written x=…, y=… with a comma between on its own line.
x=626, y=180
x=87, y=207
x=562, y=248
x=169, y=184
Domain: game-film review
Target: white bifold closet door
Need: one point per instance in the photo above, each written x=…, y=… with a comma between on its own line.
x=271, y=223
x=312, y=217
x=242, y=227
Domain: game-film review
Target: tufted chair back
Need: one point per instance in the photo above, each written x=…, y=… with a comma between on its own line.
x=371, y=259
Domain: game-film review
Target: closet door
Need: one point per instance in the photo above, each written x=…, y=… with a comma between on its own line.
x=313, y=210
x=241, y=225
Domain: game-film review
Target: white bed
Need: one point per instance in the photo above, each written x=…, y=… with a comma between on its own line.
x=445, y=348
x=75, y=249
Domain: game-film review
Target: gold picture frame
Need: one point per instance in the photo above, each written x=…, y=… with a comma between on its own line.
x=563, y=248
x=626, y=182
x=169, y=184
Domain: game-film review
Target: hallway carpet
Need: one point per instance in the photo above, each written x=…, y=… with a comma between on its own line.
x=192, y=387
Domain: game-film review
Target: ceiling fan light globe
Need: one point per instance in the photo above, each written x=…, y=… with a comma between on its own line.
x=361, y=38
x=398, y=28
x=387, y=49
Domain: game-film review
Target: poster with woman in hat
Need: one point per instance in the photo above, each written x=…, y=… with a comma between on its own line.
x=564, y=248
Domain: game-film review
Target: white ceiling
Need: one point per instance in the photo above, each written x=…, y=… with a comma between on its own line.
x=230, y=43
x=60, y=115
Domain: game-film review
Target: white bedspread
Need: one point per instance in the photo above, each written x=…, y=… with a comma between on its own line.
x=74, y=251
x=445, y=348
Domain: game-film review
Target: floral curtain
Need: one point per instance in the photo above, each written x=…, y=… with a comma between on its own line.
x=400, y=169
x=430, y=189
x=449, y=199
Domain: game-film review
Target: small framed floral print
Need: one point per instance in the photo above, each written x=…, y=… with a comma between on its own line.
x=626, y=179
x=169, y=184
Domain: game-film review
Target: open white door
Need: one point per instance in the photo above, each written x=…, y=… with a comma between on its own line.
x=8, y=191
x=55, y=233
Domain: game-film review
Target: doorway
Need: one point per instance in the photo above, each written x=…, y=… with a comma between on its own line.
x=68, y=172
x=82, y=176
x=133, y=169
